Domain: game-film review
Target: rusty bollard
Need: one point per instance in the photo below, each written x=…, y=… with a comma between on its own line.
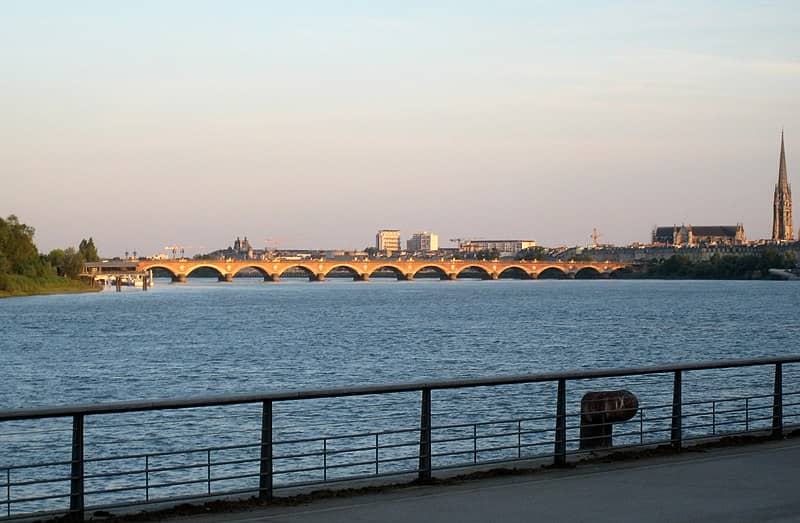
x=599, y=411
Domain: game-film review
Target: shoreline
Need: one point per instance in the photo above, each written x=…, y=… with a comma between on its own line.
x=48, y=292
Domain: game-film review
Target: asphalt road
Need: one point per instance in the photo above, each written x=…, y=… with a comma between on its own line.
x=757, y=483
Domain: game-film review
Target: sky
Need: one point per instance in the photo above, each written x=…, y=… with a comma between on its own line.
x=312, y=124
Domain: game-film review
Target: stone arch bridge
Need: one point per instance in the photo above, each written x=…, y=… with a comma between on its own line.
x=362, y=270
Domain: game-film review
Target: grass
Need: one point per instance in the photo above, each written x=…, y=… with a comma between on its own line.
x=12, y=285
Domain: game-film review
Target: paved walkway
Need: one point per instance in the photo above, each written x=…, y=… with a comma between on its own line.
x=758, y=483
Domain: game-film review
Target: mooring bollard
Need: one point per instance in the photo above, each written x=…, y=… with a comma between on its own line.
x=599, y=411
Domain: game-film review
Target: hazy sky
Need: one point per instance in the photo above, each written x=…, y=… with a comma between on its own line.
x=153, y=123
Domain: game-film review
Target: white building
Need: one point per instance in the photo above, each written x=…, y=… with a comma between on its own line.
x=388, y=241
x=423, y=242
x=504, y=247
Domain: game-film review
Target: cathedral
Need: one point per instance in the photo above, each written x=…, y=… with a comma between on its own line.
x=782, y=204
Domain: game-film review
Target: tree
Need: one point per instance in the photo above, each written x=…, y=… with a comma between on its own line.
x=56, y=259
x=372, y=252
x=73, y=263
x=532, y=253
x=487, y=254
x=584, y=256
x=18, y=254
x=88, y=250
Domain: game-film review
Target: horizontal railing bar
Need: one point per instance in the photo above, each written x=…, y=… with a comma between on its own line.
x=171, y=452
x=39, y=498
x=316, y=468
x=350, y=478
x=212, y=401
x=36, y=482
x=399, y=458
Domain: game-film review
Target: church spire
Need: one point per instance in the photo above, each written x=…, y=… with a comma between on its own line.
x=783, y=182
x=782, y=205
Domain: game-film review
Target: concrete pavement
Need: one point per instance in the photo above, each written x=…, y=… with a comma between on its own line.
x=755, y=483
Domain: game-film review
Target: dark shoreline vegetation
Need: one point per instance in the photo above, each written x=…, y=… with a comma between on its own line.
x=26, y=272
x=727, y=267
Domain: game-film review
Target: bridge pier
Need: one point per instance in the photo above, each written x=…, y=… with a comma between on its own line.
x=570, y=275
x=227, y=278
x=533, y=275
x=317, y=277
x=361, y=277
x=272, y=278
x=179, y=278
x=604, y=275
x=452, y=276
x=406, y=277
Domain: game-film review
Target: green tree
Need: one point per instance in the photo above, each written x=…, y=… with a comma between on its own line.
x=584, y=256
x=18, y=254
x=73, y=263
x=486, y=254
x=56, y=259
x=88, y=250
x=532, y=253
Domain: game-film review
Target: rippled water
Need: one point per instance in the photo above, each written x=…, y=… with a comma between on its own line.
x=207, y=338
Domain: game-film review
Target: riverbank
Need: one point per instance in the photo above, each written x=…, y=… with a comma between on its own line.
x=14, y=286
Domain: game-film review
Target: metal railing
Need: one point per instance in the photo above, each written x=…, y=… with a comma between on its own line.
x=126, y=476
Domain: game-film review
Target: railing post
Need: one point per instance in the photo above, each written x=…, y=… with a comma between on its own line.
x=474, y=442
x=777, y=403
x=265, y=469
x=8, y=492
x=76, y=493
x=676, y=432
x=560, y=457
x=208, y=470
x=425, y=437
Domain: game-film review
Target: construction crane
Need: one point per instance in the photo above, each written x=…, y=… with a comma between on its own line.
x=175, y=249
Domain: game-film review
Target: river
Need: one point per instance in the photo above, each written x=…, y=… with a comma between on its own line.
x=208, y=338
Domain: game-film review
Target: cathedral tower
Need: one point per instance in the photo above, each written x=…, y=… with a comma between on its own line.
x=782, y=205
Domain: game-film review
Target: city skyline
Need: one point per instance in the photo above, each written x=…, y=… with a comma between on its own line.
x=315, y=126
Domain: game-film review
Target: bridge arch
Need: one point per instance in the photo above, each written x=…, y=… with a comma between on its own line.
x=515, y=272
x=620, y=272
x=588, y=273
x=214, y=268
x=339, y=266
x=483, y=271
x=263, y=272
x=303, y=267
x=397, y=271
x=344, y=267
x=159, y=267
x=552, y=273
x=432, y=267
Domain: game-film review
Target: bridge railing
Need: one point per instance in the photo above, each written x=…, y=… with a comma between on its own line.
x=73, y=460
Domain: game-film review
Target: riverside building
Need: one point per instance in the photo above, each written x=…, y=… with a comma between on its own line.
x=696, y=235
x=388, y=241
x=504, y=247
x=423, y=242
